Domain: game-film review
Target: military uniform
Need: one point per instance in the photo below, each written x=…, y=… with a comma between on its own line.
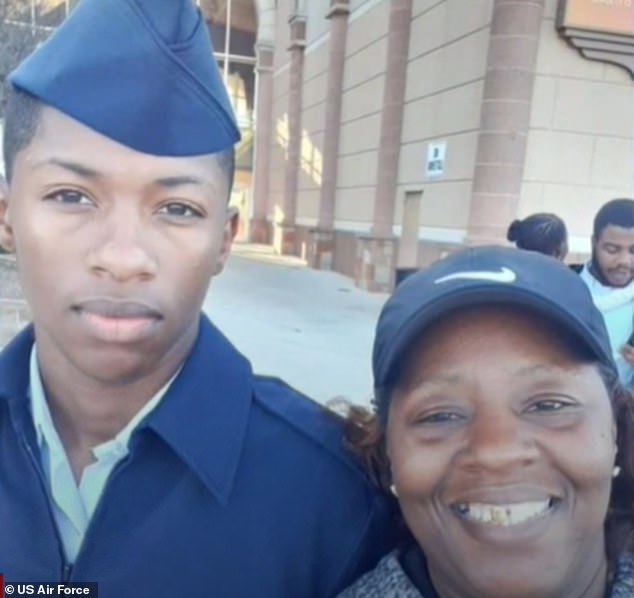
x=235, y=487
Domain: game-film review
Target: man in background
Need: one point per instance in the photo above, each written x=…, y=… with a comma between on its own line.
x=610, y=274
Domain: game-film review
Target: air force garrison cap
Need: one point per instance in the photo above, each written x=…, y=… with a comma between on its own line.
x=484, y=276
x=141, y=72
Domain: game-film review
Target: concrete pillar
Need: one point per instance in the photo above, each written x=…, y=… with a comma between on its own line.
x=392, y=116
x=376, y=254
x=259, y=229
x=321, y=245
x=285, y=241
x=505, y=118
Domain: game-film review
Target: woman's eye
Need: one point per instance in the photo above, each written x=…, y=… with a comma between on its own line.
x=69, y=197
x=439, y=417
x=179, y=210
x=549, y=405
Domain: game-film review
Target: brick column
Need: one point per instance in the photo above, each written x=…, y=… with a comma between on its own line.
x=284, y=240
x=375, y=257
x=321, y=244
x=505, y=118
x=259, y=229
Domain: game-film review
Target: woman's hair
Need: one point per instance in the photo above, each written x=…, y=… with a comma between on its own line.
x=365, y=437
x=545, y=233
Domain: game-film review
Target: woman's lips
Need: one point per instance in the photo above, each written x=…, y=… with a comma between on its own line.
x=505, y=515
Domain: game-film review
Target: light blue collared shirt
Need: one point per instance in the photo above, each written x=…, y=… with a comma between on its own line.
x=74, y=505
x=619, y=318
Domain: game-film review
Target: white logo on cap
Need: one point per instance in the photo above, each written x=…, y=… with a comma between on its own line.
x=504, y=275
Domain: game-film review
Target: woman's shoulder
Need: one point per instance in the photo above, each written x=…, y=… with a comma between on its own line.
x=386, y=580
x=623, y=584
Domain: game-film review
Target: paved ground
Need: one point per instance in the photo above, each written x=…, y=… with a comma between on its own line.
x=314, y=329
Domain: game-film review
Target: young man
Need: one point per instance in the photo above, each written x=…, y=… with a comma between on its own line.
x=611, y=272
x=137, y=449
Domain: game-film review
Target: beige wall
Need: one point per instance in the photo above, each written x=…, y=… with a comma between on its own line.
x=580, y=145
x=447, y=64
x=280, y=109
x=362, y=102
x=313, y=112
x=316, y=24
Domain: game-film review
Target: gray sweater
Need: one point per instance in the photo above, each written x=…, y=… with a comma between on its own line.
x=388, y=580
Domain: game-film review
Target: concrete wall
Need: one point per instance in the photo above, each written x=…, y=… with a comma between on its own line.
x=581, y=143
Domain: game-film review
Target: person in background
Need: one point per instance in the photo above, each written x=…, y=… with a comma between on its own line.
x=545, y=233
x=502, y=429
x=609, y=274
x=137, y=448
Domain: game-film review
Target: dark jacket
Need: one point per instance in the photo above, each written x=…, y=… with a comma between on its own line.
x=235, y=486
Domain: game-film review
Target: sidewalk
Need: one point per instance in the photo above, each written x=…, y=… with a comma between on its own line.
x=313, y=329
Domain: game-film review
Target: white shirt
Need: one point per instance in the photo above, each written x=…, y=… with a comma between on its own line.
x=618, y=317
x=74, y=505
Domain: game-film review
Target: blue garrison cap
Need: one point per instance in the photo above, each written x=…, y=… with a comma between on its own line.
x=141, y=72
x=485, y=276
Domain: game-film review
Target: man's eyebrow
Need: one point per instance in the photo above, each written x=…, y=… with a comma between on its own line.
x=76, y=167
x=177, y=181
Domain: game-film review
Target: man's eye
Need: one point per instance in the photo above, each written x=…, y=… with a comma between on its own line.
x=69, y=196
x=179, y=210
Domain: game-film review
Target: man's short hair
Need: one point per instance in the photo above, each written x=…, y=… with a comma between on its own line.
x=618, y=212
x=22, y=117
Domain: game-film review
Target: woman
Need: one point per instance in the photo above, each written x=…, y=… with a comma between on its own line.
x=545, y=233
x=502, y=430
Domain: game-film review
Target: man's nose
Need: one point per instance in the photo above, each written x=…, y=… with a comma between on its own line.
x=626, y=259
x=122, y=250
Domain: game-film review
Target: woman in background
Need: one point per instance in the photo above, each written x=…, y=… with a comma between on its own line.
x=545, y=233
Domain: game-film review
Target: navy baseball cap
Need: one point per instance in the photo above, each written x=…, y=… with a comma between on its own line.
x=141, y=72
x=486, y=276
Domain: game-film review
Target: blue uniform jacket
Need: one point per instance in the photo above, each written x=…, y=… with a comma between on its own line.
x=235, y=486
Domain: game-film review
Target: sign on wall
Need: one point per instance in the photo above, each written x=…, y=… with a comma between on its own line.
x=435, y=166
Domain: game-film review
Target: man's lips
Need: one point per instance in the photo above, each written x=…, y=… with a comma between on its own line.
x=116, y=309
x=621, y=272
x=117, y=321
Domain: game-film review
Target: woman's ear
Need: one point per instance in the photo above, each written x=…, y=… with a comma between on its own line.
x=6, y=232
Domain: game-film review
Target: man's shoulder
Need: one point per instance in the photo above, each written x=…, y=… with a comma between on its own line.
x=301, y=419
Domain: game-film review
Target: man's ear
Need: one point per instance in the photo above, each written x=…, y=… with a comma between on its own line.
x=231, y=230
x=6, y=232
